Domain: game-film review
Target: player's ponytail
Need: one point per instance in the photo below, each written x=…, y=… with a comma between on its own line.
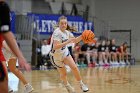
x=71, y=28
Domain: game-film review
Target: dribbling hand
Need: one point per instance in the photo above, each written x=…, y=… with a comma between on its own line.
x=23, y=64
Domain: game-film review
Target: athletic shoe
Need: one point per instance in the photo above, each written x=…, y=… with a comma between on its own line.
x=90, y=65
x=116, y=63
x=127, y=62
x=106, y=63
x=96, y=64
x=84, y=88
x=10, y=90
x=111, y=63
x=28, y=88
x=122, y=63
x=101, y=63
x=69, y=88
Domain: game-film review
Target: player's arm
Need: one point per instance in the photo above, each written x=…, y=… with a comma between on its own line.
x=78, y=39
x=5, y=46
x=8, y=36
x=57, y=40
x=5, y=29
x=57, y=44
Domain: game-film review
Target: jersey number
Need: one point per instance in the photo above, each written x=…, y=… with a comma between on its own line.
x=63, y=46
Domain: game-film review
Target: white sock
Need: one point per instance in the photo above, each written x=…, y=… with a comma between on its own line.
x=81, y=82
x=26, y=84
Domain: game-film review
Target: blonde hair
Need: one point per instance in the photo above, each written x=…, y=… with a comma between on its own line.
x=69, y=28
x=61, y=17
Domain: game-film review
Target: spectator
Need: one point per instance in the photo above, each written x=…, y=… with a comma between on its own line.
x=113, y=52
x=124, y=53
x=94, y=54
x=83, y=55
x=101, y=50
x=45, y=49
x=77, y=50
x=107, y=51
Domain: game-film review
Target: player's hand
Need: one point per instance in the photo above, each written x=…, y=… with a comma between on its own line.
x=23, y=64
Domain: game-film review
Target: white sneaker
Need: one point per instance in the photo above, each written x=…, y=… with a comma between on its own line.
x=116, y=63
x=122, y=62
x=84, y=88
x=101, y=63
x=96, y=64
x=106, y=63
x=127, y=62
x=28, y=88
x=10, y=90
x=111, y=63
x=69, y=88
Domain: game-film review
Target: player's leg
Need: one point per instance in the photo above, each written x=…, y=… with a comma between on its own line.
x=63, y=78
x=69, y=61
x=56, y=60
x=19, y=74
x=3, y=78
x=126, y=57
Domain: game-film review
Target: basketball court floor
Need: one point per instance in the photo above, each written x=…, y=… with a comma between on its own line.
x=122, y=79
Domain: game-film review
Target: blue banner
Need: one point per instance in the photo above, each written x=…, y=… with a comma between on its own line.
x=12, y=19
x=43, y=23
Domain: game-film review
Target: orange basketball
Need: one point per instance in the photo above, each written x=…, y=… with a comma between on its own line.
x=88, y=36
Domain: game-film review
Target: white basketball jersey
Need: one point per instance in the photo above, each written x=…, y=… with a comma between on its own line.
x=61, y=37
x=57, y=56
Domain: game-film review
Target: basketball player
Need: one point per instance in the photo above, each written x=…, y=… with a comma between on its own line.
x=70, y=45
x=60, y=55
x=12, y=60
x=9, y=38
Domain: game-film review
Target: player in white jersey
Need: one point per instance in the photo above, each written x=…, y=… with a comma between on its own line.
x=60, y=55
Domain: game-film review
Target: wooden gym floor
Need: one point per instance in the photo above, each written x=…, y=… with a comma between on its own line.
x=124, y=79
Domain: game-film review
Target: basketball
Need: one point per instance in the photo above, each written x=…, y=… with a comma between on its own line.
x=88, y=36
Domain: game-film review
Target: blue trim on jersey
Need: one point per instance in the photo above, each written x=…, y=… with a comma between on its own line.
x=68, y=54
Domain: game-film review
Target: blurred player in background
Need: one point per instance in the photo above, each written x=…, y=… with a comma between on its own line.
x=6, y=35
